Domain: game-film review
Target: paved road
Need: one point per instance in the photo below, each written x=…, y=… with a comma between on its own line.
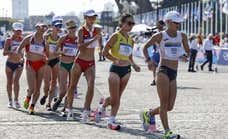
x=201, y=109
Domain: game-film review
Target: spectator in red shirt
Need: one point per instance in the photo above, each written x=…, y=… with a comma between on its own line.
x=216, y=39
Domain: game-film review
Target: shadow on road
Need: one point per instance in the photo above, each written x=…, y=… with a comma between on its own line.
x=188, y=88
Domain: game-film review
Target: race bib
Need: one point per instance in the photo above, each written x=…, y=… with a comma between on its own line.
x=94, y=44
x=70, y=49
x=52, y=48
x=173, y=51
x=125, y=49
x=37, y=49
x=14, y=47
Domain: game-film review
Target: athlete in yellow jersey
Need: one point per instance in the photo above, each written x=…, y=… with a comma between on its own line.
x=121, y=46
x=52, y=67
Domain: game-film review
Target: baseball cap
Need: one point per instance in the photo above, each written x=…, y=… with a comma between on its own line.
x=90, y=13
x=18, y=26
x=71, y=24
x=40, y=24
x=57, y=18
x=174, y=16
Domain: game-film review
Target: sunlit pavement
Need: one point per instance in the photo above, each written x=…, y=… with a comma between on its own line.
x=201, y=109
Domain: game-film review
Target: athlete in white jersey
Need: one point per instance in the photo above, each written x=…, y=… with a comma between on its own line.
x=171, y=43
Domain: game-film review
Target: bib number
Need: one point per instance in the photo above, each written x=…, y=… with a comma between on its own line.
x=173, y=51
x=37, y=49
x=14, y=48
x=69, y=50
x=125, y=50
x=52, y=48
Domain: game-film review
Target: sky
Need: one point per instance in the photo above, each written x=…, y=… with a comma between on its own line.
x=59, y=7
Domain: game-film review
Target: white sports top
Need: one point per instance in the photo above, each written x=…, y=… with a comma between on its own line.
x=171, y=47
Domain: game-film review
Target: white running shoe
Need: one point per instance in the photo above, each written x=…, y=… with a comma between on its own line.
x=10, y=104
x=17, y=104
x=70, y=115
x=85, y=116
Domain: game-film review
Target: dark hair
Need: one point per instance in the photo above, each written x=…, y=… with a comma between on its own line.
x=161, y=22
x=123, y=18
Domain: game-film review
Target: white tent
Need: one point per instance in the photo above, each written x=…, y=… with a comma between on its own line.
x=225, y=7
x=141, y=28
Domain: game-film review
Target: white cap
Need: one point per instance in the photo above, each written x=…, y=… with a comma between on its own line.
x=18, y=26
x=39, y=24
x=174, y=16
x=90, y=13
x=57, y=18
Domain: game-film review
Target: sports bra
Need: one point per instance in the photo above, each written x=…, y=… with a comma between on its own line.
x=89, y=35
x=171, y=47
x=69, y=46
x=52, y=44
x=35, y=47
x=14, y=45
x=123, y=47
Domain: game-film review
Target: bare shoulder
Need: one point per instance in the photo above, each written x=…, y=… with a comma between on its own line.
x=80, y=29
x=183, y=35
x=157, y=36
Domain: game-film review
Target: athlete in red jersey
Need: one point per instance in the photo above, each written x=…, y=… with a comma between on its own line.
x=68, y=48
x=89, y=38
x=35, y=61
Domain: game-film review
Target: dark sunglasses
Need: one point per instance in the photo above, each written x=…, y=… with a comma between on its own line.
x=176, y=23
x=72, y=27
x=129, y=23
x=58, y=26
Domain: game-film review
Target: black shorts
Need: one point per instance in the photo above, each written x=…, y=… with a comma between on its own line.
x=120, y=71
x=172, y=74
x=53, y=62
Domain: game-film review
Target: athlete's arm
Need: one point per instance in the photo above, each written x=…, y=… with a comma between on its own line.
x=59, y=46
x=186, y=46
x=81, y=42
x=108, y=46
x=23, y=44
x=6, y=50
x=135, y=66
x=154, y=40
x=46, y=45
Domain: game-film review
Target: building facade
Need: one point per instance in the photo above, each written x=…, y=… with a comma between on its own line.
x=20, y=9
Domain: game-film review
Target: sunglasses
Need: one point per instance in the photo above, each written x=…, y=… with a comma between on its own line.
x=72, y=27
x=129, y=23
x=58, y=26
x=176, y=23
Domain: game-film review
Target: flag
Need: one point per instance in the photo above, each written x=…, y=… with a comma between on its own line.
x=186, y=11
x=197, y=13
x=208, y=12
x=225, y=7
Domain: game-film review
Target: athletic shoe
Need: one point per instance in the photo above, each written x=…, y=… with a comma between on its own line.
x=26, y=103
x=17, y=104
x=56, y=105
x=85, y=116
x=100, y=112
x=48, y=107
x=43, y=100
x=113, y=126
x=10, y=104
x=70, y=115
x=145, y=117
x=31, y=110
x=153, y=83
x=170, y=135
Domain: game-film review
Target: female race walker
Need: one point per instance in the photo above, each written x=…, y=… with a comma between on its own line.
x=121, y=46
x=35, y=61
x=52, y=67
x=170, y=42
x=14, y=63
